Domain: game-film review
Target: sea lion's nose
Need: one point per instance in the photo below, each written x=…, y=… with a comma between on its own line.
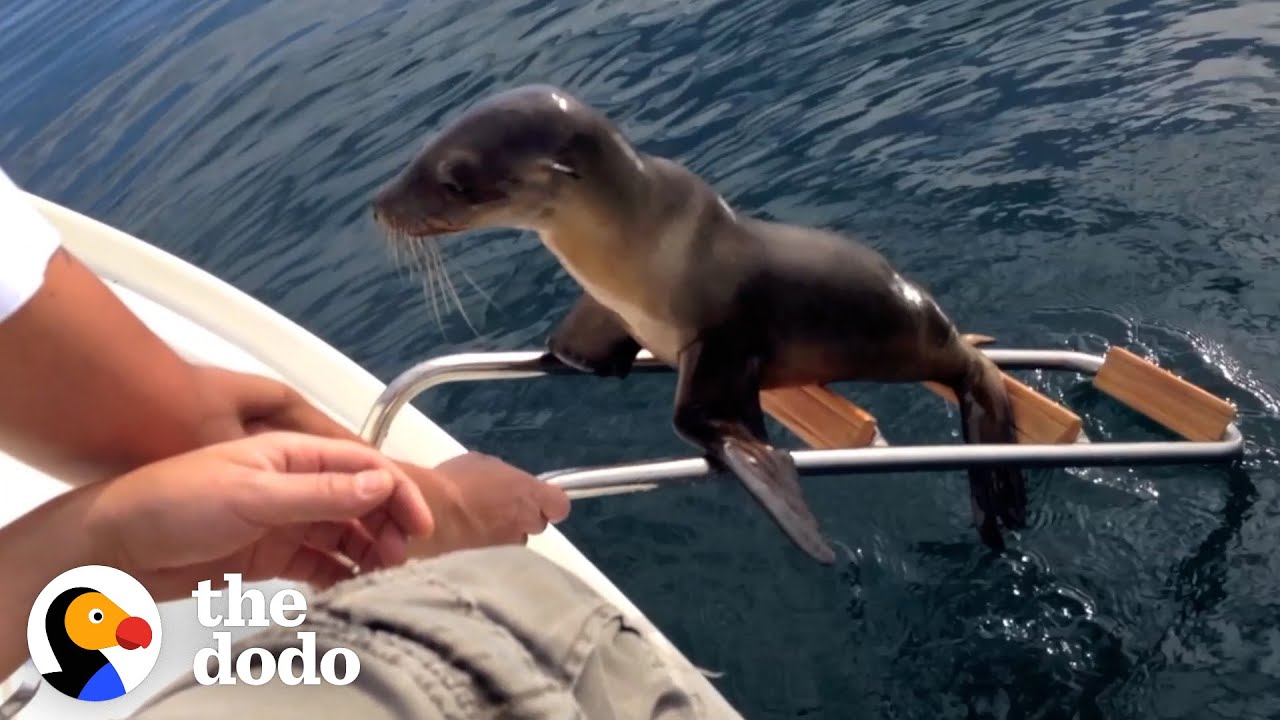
x=388, y=202
x=381, y=207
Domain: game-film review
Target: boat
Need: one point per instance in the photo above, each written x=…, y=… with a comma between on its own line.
x=210, y=321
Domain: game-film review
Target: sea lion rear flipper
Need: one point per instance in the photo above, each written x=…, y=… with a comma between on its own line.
x=592, y=339
x=996, y=492
x=717, y=408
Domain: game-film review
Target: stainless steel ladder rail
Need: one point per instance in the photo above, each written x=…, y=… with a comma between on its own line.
x=629, y=477
x=470, y=367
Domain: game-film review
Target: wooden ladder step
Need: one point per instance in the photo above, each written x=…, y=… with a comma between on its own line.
x=1188, y=410
x=822, y=418
x=1036, y=418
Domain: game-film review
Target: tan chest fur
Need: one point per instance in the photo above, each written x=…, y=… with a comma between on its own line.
x=639, y=281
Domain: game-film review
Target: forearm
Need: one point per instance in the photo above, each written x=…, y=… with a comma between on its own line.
x=87, y=391
x=35, y=549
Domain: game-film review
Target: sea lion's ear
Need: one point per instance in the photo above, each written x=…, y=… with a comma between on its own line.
x=574, y=151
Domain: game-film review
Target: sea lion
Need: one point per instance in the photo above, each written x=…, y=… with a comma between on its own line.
x=736, y=304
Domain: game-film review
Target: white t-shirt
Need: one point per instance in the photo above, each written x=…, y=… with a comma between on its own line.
x=27, y=241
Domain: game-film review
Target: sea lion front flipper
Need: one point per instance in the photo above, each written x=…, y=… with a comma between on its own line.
x=717, y=409
x=592, y=339
x=770, y=475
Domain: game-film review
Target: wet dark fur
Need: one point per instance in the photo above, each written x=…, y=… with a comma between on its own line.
x=765, y=304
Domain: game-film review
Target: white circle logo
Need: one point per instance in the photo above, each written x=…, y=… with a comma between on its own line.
x=94, y=633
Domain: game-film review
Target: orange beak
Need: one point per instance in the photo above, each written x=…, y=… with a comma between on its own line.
x=133, y=632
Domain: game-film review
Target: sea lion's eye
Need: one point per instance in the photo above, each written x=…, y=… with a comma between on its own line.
x=95, y=616
x=457, y=177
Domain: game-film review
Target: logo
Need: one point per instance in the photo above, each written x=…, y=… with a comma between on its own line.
x=94, y=633
x=257, y=665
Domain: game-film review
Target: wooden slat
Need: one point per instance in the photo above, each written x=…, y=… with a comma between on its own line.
x=822, y=418
x=1036, y=418
x=826, y=420
x=1190, y=411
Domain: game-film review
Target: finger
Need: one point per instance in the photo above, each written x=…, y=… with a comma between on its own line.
x=297, y=453
x=535, y=522
x=316, y=567
x=408, y=509
x=265, y=401
x=374, y=524
x=253, y=394
x=537, y=502
x=534, y=509
x=352, y=539
x=257, y=427
x=527, y=521
x=273, y=499
x=392, y=547
x=372, y=542
x=553, y=501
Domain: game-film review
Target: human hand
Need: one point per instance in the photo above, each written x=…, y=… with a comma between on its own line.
x=249, y=403
x=478, y=500
x=273, y=505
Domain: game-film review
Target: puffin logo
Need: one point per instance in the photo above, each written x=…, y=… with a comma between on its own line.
x=94, y=633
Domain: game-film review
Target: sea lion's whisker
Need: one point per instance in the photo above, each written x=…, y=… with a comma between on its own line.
x=395, y=241
x=467, y=276
x=448, y=284
x=416, y=255
x=427, y=272
x=422, y=255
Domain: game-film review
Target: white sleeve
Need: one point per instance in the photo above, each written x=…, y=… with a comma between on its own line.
x=27, y=241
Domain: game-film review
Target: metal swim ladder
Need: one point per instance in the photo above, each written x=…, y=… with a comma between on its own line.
x=845, y=439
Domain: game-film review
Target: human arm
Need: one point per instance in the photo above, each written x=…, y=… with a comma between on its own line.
x=89, y=392
x=274, y=505
x=34, y=549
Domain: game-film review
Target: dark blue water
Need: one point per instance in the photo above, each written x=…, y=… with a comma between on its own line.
x=1064, y=174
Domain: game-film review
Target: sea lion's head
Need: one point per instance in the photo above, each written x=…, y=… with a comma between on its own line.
x=512, y=160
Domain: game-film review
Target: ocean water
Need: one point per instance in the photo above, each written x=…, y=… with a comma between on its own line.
x=1071, y=174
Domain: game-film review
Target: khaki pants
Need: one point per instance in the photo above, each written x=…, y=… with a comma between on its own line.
x=492, y=633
